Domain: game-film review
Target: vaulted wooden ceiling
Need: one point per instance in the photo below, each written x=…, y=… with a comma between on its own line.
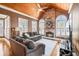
x=33, y=9
x=60, y=6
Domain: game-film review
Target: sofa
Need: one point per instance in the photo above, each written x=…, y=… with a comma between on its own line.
x=20, y=49
x=32, y=36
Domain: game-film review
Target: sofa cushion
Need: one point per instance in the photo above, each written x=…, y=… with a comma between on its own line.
x=19, y=39
x=29, y=33
x=29, y=44
x=34, y=33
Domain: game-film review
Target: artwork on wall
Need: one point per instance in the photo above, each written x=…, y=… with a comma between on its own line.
x=49, y=24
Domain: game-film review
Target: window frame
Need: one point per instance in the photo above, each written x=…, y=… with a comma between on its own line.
x=34, y=26
x=25, y=29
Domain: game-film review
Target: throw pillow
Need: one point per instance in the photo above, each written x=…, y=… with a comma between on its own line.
x=27, y=35
x=19, y=39
x=29, y=44
x=24, y=36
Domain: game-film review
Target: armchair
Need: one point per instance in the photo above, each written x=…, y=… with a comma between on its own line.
x=21, y=49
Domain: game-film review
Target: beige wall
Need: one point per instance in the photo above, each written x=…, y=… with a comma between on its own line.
x=75, y=25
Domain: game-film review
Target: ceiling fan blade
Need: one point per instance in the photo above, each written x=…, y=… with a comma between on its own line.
x=38, y=5
x=44, y=8
x=41, y=8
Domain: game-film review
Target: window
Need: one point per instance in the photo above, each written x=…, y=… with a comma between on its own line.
x=34, y=26
x=41, y=26
x=5, y=26
x=1, y=27
x=61, y=25
x=23, y=25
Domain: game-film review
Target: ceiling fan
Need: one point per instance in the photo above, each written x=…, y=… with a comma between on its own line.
x=39, y=8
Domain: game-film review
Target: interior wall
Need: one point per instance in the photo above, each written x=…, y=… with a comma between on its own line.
x=75, y=27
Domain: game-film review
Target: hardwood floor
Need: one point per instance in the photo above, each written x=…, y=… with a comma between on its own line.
x=5, y=48
x=55, y=51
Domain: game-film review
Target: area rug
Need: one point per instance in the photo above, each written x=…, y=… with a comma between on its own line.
x=49, y=46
